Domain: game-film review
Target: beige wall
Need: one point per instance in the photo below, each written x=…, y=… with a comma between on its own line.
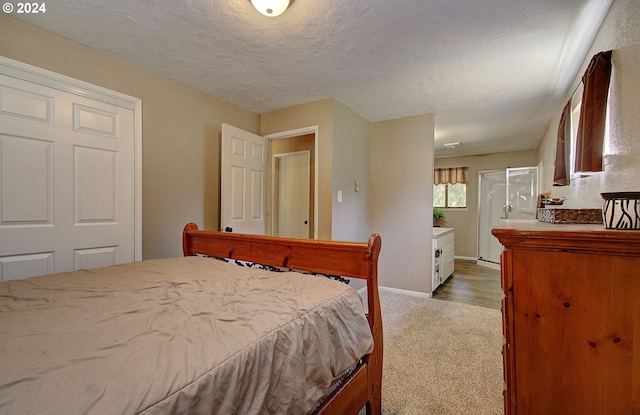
x=181, y=140
x=465, y=221
x=401, y=200
x=620, y=32
x=180, y=131
x=343, y=157
x=351, y=218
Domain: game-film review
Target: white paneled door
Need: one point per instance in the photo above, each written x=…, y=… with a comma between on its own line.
x=244, y=166
x=292, y=188
x=67, y=181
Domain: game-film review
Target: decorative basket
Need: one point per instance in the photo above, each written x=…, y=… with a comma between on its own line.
x=560, y=215
x=621, y=210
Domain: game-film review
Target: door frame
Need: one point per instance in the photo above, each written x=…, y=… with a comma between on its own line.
x=293, y=133
x=33, y=74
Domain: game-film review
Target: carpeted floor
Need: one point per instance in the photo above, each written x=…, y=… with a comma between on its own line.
x=440, y=357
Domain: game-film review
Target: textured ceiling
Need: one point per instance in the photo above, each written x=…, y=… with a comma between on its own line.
x=490, y=70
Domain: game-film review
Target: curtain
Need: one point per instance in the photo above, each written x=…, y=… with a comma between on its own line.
x=451, y=175
x=561, y=171
x=590, y=138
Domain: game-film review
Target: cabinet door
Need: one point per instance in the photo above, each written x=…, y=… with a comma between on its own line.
x=435, y=276
x=447, y=264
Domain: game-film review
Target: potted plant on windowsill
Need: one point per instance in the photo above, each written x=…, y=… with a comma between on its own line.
x=438, y=217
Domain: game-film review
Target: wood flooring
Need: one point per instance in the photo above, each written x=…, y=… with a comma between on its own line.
x=473, y=284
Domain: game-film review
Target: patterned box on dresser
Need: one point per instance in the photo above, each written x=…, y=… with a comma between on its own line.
x=621, y=210
x=561, y=215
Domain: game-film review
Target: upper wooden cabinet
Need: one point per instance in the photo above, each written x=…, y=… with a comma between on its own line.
x=571, y=318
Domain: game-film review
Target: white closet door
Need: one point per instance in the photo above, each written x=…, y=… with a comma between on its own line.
x=67, y=181
x=293, y=171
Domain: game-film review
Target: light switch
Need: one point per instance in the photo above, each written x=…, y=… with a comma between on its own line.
x=356, y=186
x=339, y=196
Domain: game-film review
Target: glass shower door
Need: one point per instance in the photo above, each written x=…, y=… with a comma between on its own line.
x=522, y=193
x=510, y=194
x=490, y=211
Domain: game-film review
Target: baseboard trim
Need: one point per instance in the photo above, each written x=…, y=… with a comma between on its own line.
x=397, y=291
x=488, y=264
x=466, y=258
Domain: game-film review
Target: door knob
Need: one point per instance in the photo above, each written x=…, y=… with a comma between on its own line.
x=306, y=222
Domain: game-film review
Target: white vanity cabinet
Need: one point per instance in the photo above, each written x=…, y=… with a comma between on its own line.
x=442, y=256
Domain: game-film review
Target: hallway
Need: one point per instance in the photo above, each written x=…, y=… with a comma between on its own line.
x=472, y=284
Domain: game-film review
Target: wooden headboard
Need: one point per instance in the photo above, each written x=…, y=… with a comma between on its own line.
x=347, y=259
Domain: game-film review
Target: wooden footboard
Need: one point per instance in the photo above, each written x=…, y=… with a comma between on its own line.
x=349, y=259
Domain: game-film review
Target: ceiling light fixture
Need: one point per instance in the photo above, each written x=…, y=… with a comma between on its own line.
x=451, y=146
x=270, y=8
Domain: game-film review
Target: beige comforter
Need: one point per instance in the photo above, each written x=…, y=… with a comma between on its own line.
x=177, y=336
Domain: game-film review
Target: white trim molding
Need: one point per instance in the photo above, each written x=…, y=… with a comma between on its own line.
x=363, y=290
x=294, y=133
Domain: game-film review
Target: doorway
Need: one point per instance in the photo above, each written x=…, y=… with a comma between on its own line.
x=292, y=209
x=255, y=193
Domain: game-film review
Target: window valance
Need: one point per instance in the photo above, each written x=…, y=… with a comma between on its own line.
x=451, y=175
x=589, y=139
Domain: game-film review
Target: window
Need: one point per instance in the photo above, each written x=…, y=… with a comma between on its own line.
x=576, y=107
x=583, y=132
x=447, y=195
x=450, y=187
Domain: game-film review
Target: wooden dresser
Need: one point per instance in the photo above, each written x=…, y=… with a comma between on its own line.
x=571, y=318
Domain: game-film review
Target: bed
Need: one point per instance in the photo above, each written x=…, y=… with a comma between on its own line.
x=199, y=334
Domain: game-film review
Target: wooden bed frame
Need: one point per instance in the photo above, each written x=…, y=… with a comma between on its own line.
x=357, y=260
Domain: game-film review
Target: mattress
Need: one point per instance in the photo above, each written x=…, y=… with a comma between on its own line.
x=183, y=336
